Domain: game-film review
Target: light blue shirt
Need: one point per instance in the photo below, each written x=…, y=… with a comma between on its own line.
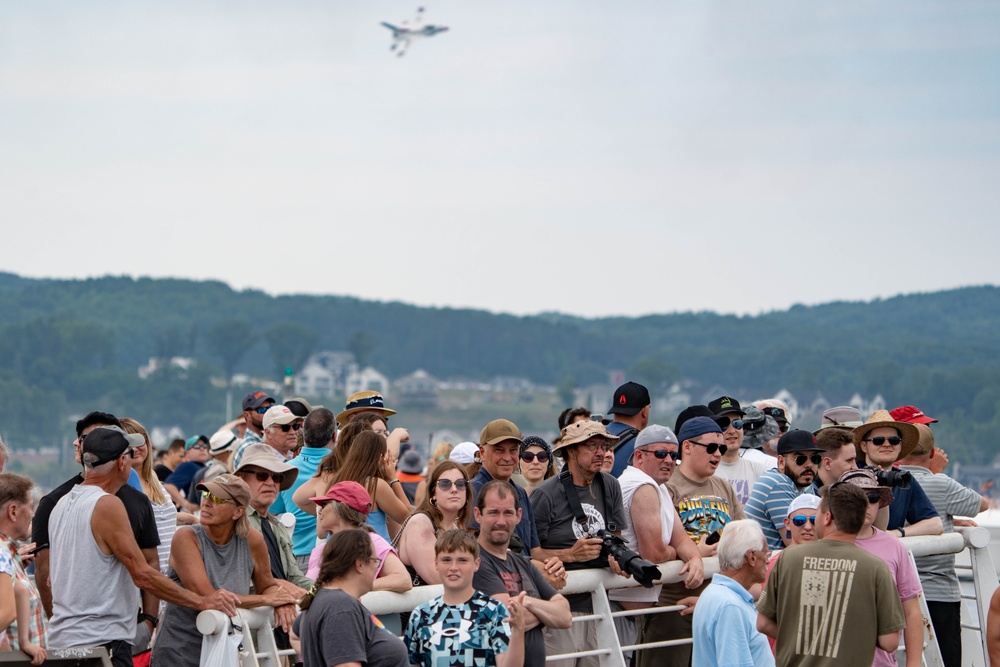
x=725, y=628
x=304, y=535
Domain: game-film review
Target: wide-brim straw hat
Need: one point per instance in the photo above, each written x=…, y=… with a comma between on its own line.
x=882, y=418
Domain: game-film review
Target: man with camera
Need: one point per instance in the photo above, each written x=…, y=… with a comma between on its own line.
x=574, y=511
x=776, y=489
x=884, y=441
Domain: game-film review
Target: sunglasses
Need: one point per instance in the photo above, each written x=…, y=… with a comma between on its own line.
x=802, y=458
x=294, y=426
x=528, y=457
x=874, y=497
x=799, y=520
x=783, y=428
x=200, y=445
x=212, y=498
x=879, y=440
x=445, y=484
x=261, y=476
x=262, y=409
x=737, y=424
x=663, y=453
x=711, y=448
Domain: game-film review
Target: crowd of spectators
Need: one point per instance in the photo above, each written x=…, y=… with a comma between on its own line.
x=296, y=508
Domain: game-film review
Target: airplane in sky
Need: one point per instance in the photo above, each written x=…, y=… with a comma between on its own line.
x=404, y=34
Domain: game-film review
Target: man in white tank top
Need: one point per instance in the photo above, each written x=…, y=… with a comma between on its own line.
x=96, y=565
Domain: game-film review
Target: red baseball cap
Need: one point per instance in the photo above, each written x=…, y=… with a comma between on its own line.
x=350, y=493
x=911, y=415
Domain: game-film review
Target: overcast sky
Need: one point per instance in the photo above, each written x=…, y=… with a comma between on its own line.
x=592, y=158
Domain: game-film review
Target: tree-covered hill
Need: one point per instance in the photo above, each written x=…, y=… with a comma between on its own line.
x=66, y=345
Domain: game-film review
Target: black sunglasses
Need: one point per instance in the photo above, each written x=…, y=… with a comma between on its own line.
x=711, y=448
x=261, y=476
x=874, y=497
x=528, y=457
x=802, y=458
x=879, y=440
x=285, y=428
x=663, y=453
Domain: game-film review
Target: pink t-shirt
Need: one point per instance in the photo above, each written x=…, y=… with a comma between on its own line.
x=889, y=549
x=381, y=549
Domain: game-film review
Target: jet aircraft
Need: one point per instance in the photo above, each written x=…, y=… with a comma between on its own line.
x=405, y=33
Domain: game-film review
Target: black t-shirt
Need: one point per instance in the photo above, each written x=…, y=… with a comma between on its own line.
x=162, y=472
x=137, y=506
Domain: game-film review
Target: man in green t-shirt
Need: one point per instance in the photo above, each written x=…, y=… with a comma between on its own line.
x=829, y=603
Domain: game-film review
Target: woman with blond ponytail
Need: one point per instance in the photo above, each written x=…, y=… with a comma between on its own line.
x=334, y=627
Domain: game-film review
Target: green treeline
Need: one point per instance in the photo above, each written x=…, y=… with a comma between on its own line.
x=69, y=346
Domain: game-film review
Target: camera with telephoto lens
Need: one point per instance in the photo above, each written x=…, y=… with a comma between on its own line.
x=894, y=479
x=629, y=561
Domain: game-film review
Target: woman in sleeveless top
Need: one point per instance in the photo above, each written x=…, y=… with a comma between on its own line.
x=367, y=463
x=221, y=551
x=447, y=505
x=164, y=512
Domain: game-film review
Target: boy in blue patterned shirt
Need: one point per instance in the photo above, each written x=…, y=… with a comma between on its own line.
x=463, y=627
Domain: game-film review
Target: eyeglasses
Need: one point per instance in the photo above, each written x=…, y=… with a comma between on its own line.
x=528, y=457
x=597, y=446
x=382, y=432
x=802, y=458
x=212, y=498
x=712, y=447
x=799, y=520
x=377, y=561
x=262, y=476
x=294, y=426
x=663, y=453
x=262, y=409
x=737, y=424
x=445, y=484
x=874, y=497
x=200, y=445
x=879, y=440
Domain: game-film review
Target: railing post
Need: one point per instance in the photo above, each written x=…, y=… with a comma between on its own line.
x=984, y=582
x=607, y=635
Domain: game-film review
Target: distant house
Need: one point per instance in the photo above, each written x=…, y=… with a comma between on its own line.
x=367, y=379
x=155, y=363
x=417, y=389
x=325, y=375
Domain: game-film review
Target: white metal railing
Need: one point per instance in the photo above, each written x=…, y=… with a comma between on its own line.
x=215, y=625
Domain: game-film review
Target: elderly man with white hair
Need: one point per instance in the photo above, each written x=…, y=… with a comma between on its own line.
x=725, y=619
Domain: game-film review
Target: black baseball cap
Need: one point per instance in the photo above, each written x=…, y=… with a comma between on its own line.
x=107, y=443
x=725, y=405
x=798, y=440
x=629, y=399
x=699, y=411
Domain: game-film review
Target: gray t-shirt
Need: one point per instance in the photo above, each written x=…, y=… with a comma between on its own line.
x=337, y=628
x=937, y=573
x=511, y=576
x=558, y=529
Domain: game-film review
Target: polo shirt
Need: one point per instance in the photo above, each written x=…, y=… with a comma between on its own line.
x=304, y=535
x=768, y=505
x=725, y=628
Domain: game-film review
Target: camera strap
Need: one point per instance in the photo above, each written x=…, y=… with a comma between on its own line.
x=573, y=497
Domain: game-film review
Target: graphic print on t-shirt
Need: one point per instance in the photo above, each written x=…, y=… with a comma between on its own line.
x=825, y=594
x=511, y=581
x=703, y=515
x=595, y=522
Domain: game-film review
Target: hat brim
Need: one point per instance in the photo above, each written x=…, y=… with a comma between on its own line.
x=628, y=412
x=271, y=464
x=908, y=432
x=218, y=490
x=850, y=426
x=503, y=438
x=563, y=444
x=342, y=417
